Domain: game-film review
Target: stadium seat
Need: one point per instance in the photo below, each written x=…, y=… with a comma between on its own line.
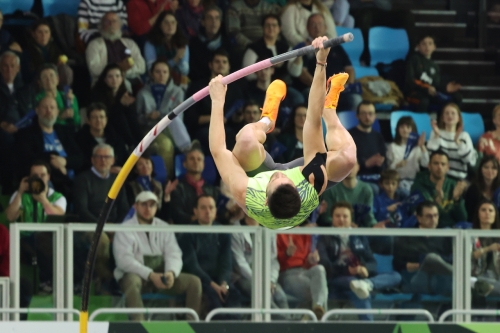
x=54, y=7
x=387, y=45
x=209, y=173
x=474, y=125
x=422, y=120
x=349, y=120
x=9, y=7
x=159, y=168
x=362, y=71
x=355, y=48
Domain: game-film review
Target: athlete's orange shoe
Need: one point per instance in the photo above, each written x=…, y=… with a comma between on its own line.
x=275, y=93
x=337, y=83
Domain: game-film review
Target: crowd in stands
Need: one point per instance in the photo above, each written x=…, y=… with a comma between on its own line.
x=62, y=151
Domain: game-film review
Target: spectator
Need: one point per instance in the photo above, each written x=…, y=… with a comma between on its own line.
x=244, y=21
x=405, y=154
x=167, y=43
x=340, y=12
x=6, y=40
x=388, y=204
x=370, y=144
x=154, y=102
x=449, y=136
x=51, y=142
x=151, y=262
x=190, y=187
x=295, y=18
x=355, y=191
x=484, y=187
x=349, y=263
x=208, y=256
x=434, y=185
x=16, y=99
x=42, y=50
x=112, y=48
x=242, y=247
x=197, y=118
x=423, y=79
x=206, y=42
x=292, y=135
x=301, y=275
x=144, y=181
x=69, y=112
x=91, y=12
x=111, y=90
x=250, y=113
x=489, y=143
x=485, y=266
x=96, y=131
x=189, y=17
x=338, y=61
x=142, y=14
x=269, y=46
x=91, y=188
x=425, y=262
x=31, y=203
x=370, y=13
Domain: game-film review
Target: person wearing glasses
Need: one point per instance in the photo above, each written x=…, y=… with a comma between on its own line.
x=90, y=191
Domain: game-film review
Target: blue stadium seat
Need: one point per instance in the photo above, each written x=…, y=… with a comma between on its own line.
x=54, y=7
x=387, y=45
x=384, y=263
x=10, y=6
x=355, y=48
x=422, y=120
x=362, y=71
x=209, y=173
x=349, y=120
x=474, y=125
x=159, y=169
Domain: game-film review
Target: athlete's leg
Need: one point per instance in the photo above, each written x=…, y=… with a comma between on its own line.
x=341, y=147
x=249, y=149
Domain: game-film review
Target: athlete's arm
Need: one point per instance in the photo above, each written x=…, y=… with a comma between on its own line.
x=229, y=168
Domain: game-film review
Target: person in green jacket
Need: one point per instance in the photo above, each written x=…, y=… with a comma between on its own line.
x=423, y=79
x=69, y=112
x=434, y=185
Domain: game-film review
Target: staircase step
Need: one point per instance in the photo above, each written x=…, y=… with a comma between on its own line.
x=446, y=34
x=481, y=92
x=483, y=106
x=493, y=35
x=443, y=16
x=455, y=53
x=421, y=4
x=466, y=72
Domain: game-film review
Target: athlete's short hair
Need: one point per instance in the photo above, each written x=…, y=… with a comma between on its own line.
x=284, y=202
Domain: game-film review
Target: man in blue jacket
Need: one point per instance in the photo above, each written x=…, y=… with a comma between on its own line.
x=349, y=263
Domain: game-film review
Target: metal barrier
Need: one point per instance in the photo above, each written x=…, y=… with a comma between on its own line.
x=261, y=282
x=448, y=313
x=215, y=312
x=379, y=312
x=5, y=299
x=58, y=261
x=146, y=311
x=41, y=310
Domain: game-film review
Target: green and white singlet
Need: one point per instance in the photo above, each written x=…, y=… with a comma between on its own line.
x=255, y=200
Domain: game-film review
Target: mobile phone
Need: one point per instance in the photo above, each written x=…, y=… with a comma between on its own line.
x=164, y=280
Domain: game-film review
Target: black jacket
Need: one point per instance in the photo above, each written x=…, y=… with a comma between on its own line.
x=14, y=106
x=87, y=142
x=329, y=253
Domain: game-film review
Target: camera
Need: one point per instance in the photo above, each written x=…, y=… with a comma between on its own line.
x=35, y=185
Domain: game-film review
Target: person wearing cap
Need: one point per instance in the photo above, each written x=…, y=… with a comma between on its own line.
x=151, y=262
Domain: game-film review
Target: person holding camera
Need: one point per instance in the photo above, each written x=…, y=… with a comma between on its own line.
x=32, y=203
x=151, y=262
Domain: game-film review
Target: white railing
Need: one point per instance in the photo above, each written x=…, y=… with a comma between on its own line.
x=5, y=299
x=145, y=311
x=421, y=312
x=261, y=296
x=448, y=313
x=40, y=310
x=215, y=312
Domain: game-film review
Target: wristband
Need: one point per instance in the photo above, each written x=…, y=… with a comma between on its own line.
x=321, y=63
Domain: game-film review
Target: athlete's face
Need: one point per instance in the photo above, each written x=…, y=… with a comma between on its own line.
x=276, y=180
